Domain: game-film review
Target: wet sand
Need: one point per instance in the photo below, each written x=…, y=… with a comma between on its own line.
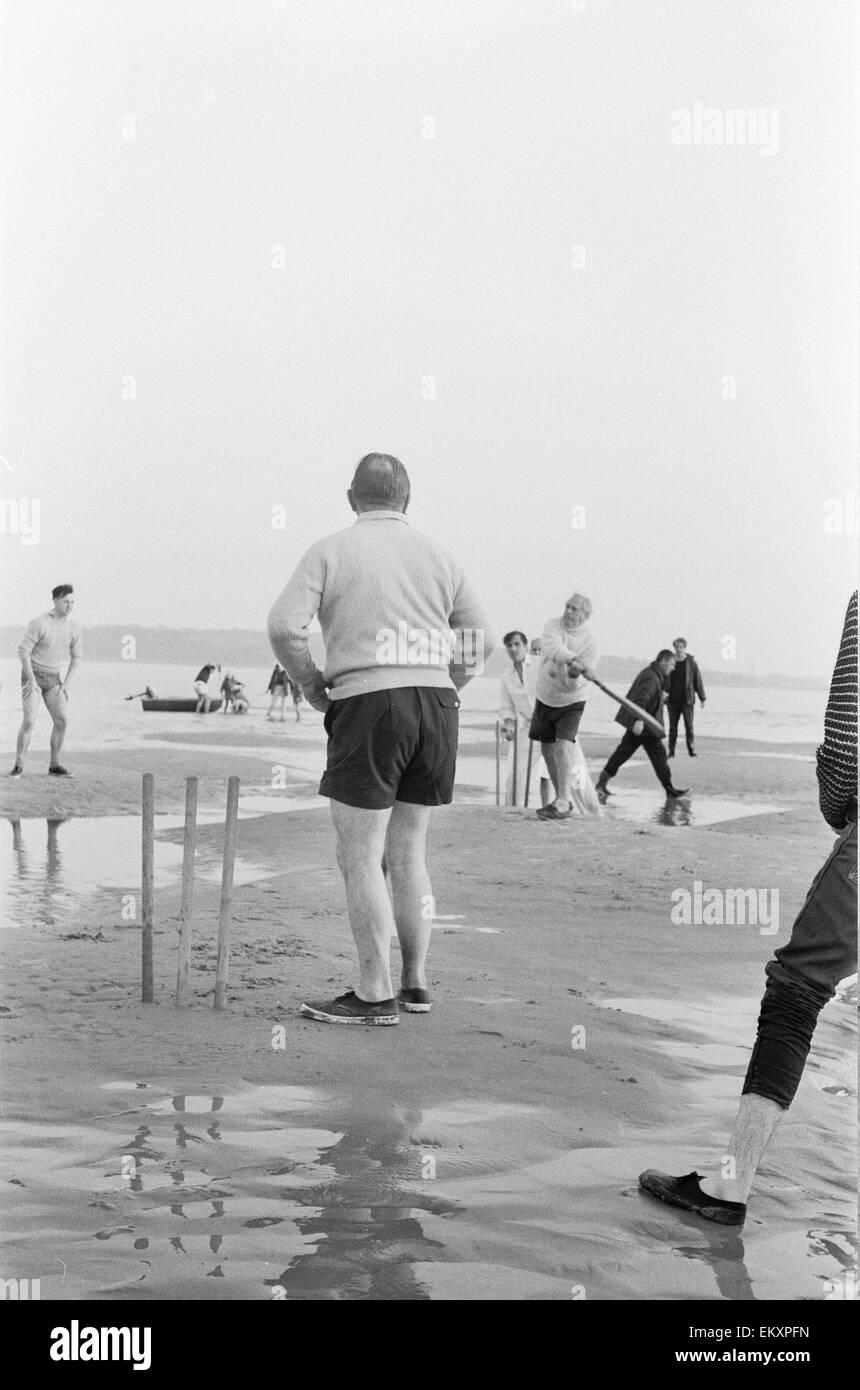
x=155, y=1152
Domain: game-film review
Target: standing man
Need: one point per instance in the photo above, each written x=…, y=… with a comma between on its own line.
x=47, y=644
x=685, y=683
x=201, y=687
x=387, y=598
x=569, y=654
x=803, y=975
x=647, y=692
x=516, y=704
x=277, y=688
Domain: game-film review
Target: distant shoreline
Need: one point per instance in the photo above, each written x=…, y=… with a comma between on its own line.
x=237, y=647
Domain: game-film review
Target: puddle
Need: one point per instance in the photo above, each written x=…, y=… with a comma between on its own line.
x=49, y=865
x=289, y=1192
x=652, y=808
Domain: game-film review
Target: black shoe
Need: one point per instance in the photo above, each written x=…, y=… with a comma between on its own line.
x=415, y=1001
x=691, y=752
x=677, y=791
x=17, y=771
x=671, y=753
x=348, y=1008
x=686, y=1193
x=602, y=791
x=57, y=771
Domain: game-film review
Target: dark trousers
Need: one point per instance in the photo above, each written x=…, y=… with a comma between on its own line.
x=652, y=747
x=803, y=975
x=675, y=714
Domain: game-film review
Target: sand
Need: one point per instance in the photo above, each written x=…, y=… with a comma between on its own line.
x=156, y=1152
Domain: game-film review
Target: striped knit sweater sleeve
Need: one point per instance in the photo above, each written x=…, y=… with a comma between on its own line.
x=836, y=760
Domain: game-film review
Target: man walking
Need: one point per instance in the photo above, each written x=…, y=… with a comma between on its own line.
x=647, y=692
x=568, y=656
x=48, y=643
x=803, y=975
x=685, y=683
x=387, y=598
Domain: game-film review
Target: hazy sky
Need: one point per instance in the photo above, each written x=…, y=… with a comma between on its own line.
x=233, y=261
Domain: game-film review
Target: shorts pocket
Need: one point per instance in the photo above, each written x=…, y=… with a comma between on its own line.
x=448, y=699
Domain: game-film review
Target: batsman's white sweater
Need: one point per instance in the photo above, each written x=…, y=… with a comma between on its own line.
x=388, y=599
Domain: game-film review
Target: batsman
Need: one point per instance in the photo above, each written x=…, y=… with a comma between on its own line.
x=647, y=693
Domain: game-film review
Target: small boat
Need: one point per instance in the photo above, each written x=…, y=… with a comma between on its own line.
x=177, y=706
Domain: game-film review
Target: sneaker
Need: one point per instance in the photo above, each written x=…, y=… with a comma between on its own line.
x=677, y=791
x=415, y=1001
x=58, y=771
x=686, y=1193
x=17, y=771
x=348, y=1008
x=602, y=791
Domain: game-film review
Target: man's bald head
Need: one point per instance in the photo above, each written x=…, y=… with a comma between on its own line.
x=380, y=481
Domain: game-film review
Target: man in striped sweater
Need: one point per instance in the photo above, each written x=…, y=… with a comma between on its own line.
x=403, y=633
x=803, y=975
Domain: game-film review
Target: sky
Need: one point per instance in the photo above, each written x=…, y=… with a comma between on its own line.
x=245, y=242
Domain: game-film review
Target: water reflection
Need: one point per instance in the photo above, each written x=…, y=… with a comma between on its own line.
x=646, y=807
x=366, y=1226
x=36, y=881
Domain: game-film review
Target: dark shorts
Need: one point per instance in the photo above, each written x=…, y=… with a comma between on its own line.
x=550, y=724
x=392, y=745
x=45, y=678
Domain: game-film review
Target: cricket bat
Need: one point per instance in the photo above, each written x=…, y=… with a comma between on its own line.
x=652, y=725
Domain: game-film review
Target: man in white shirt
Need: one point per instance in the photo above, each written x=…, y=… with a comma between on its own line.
x=516, y=702
x=569, y=655
x=48, y=643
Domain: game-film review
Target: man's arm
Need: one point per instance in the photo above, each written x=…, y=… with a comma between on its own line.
x=700, y=685
x=289, y=621
x=552, y=647
x=836, y=758
x=475, y=638
x=647, y=692
x=76, y=653
x=32, y=633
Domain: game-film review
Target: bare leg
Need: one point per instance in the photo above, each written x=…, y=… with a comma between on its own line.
x=410, y=887
x=562, y=772
x=360, y=843
x=30, y=701
x=57, y=703
x=754, y=1125
x=545, y=791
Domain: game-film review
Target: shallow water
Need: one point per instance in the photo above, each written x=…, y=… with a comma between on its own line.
x=286, y=1192
x=51, y=866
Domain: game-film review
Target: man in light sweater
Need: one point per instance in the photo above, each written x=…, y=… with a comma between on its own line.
x=48, y=643
x=569, y=655
x=394, y=609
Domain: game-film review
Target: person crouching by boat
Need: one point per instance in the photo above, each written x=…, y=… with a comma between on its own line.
x=277, y=688
x=201, y=688
x=238, y=698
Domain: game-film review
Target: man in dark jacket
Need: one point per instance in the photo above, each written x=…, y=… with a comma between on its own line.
x=685, y=683
x=802, y=976
x=646, y=692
